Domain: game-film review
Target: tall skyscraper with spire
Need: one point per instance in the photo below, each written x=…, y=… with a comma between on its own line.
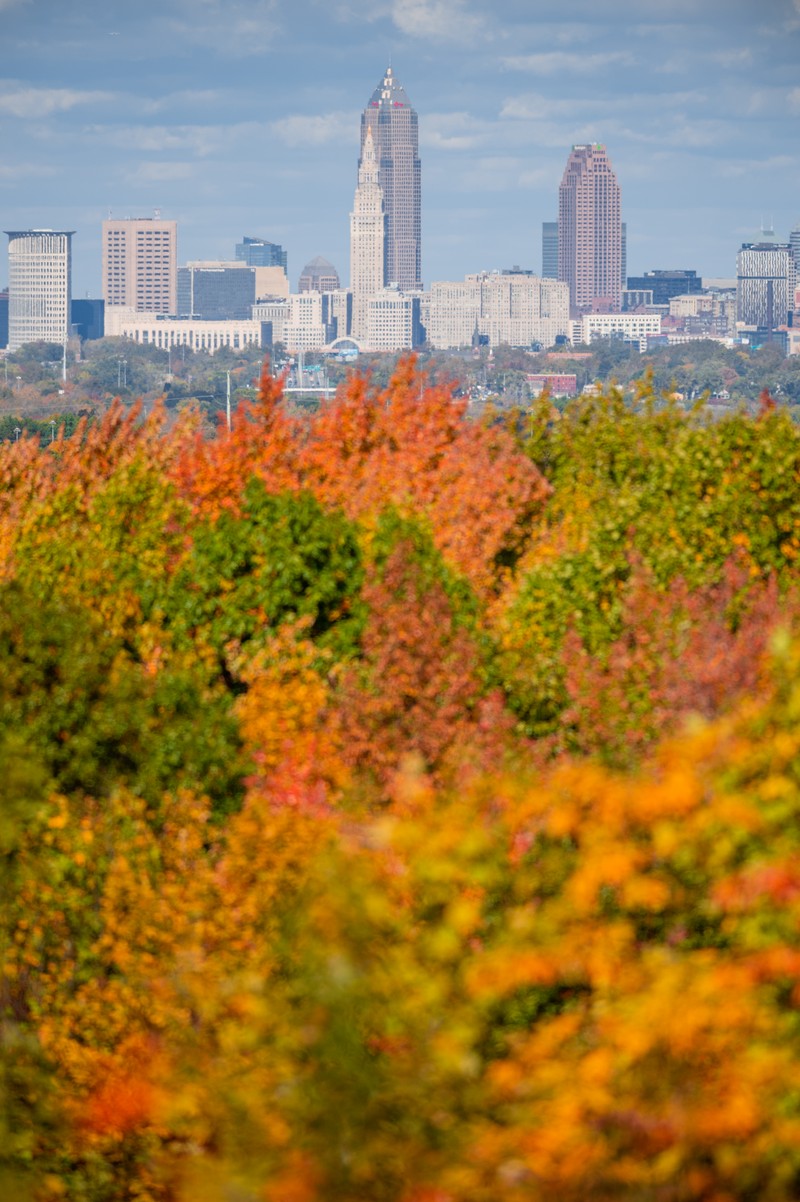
x=590, y=231
x=367, y=236
x=394, y=128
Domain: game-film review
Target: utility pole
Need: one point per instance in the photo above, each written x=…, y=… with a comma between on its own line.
x=64, y=363
x=228, y=401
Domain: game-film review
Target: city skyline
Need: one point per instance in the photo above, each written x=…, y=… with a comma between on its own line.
x=243, y=118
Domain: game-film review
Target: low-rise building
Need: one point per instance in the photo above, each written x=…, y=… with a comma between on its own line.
x=632, y=327
x=155, y=329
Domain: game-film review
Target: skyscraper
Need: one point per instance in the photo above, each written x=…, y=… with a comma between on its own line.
x=257, y=252
x=140, y=264
x=39, y=286
x=765, y=276
x=590, y=230
x=368, y=223
x=394, y=127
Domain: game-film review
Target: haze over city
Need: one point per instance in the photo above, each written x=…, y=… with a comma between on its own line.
x=243, y=117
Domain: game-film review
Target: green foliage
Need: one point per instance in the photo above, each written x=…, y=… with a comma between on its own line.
x=284, y=559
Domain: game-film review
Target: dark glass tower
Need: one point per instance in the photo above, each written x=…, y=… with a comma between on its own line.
x=395, y=134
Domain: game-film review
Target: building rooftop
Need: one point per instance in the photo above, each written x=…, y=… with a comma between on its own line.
x=389, y=93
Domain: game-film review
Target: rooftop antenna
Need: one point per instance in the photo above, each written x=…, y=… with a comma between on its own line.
x=157, y=214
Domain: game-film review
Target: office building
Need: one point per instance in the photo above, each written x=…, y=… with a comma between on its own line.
x=87, y=318
x=765, y=282
x=337, y=313
x=39, y=286
x=549, y=250
x=319, y=276
x=625, y=327
x=496, y=309
x=666, y=284
x=368, y=224
x=304, y=330
x=216, y=291
x=257, y=252
x=590, y=230
x=167, y=332
x=393, y=125
x=392, y=321
x=140, y=264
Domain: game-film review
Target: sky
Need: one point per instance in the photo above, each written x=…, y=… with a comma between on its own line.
x=241, y=117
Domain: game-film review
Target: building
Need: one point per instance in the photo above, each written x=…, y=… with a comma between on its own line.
x=3, y=319
x=590, y=230
x=497, y=309
x=216, y=291
x=168, y=332
x=39, y=286
x=558, y=384
x=666, y=284
x=140, y=264
x=549, y=250
x=319, y=276
x=337, y=313
x=394, y=128
x=627, y=327
x=273, y=315
x=87, y=318
x=392, y=321
x=304, y=330
x=257, y=252
x=368, y=223
x=765, y=283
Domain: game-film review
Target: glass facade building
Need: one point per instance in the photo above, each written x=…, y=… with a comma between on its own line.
x=395, y=135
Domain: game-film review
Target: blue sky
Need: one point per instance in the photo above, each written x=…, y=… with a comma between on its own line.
x=242, y=117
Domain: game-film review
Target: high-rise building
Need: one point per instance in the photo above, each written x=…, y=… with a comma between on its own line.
x=257, y=252
x=367, y=237
x=39, y=286
x=765, y=278
x=140, y=264
x=794, y=242
x=3, y=318
x=590, y=230
x=394, y=128
x=666, y=284
x=319, y=276
x=549, y=250
x=216, y=291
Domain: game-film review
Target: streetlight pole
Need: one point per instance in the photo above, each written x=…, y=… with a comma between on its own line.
x=228, y=401
x=52, y=431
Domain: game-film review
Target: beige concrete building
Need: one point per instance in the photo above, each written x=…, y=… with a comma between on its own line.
x=140, y=264
x=166, y=332
x=367, y=238
x=392, y=318
x=39, y=286
x=508, y=308
x=637, y=327
x=305, y=329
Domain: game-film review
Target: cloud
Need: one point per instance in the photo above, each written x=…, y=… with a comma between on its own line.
x=793, y=98
x=199, y=140
x=233, y=27
x=452, y=131
x=160, y=172
x=434, y=20
x=441, y=20
x=301, y=130
x=733, y=58
x=11, y=172
x=555, y=62
x=533, y=106
x=10, y=3
x=27, y=102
